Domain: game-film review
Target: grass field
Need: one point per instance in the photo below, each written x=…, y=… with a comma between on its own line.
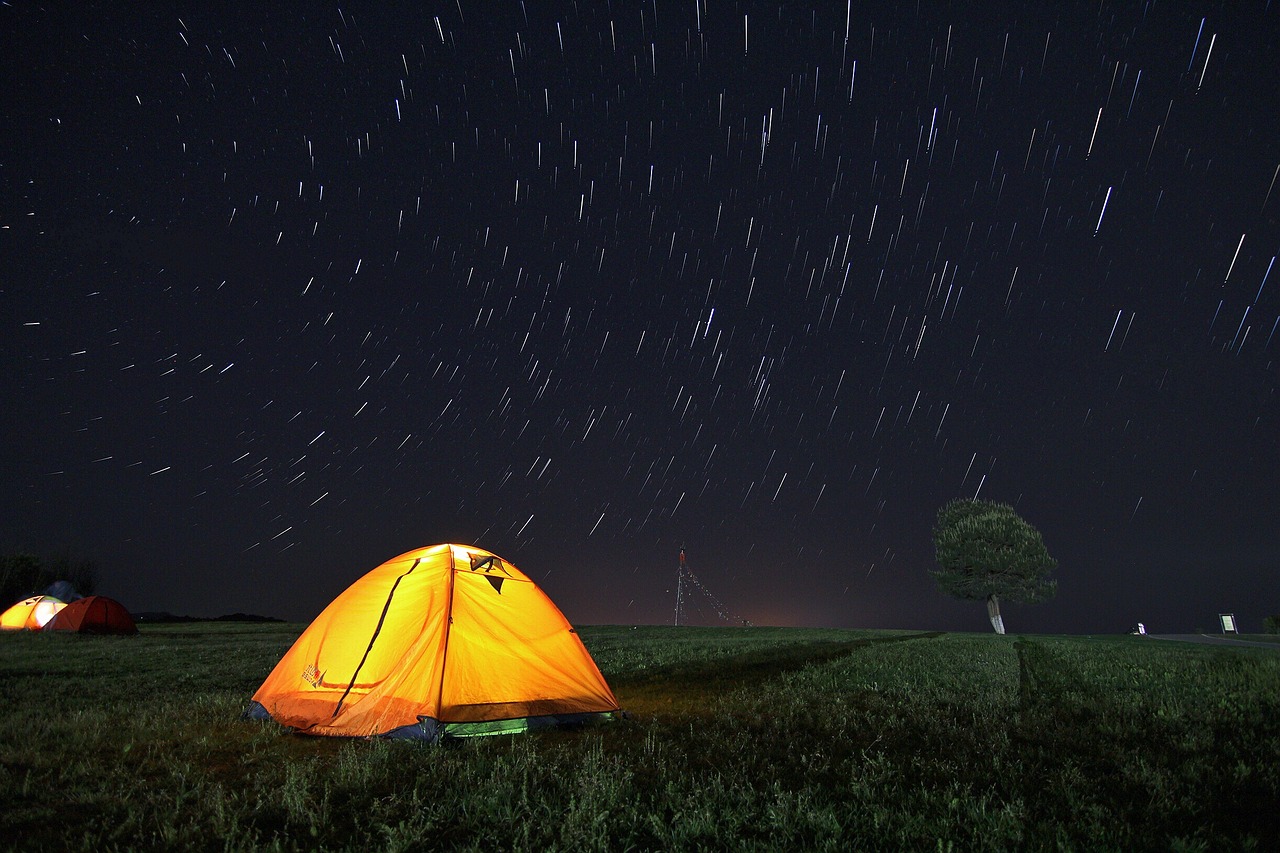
x=738, y=738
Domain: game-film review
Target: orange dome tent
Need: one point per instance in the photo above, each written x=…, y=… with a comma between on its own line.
x=31, y=613
x=96, y=614
x=445, y=641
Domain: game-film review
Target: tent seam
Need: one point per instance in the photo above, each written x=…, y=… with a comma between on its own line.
x=448, y=629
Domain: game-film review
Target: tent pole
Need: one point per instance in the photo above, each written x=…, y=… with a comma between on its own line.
x=448, y=629
x=376, y=631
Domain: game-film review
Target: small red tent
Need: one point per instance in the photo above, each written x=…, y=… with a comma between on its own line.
x=93, y=615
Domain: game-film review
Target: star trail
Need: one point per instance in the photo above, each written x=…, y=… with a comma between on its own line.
x=287, y=292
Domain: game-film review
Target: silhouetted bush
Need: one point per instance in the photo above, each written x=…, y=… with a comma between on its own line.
x=23, y=574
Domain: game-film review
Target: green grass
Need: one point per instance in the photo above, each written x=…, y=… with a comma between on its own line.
x=742, y=738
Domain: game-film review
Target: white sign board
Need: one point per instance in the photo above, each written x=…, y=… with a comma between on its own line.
x=1228, y=623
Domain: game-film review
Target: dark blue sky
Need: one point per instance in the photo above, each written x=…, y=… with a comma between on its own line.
x=289, y=292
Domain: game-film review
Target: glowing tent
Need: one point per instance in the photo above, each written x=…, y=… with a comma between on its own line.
x=30, y=613
x=445, y=641
x=96, y=614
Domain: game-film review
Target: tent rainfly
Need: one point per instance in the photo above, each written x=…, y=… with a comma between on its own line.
x=96, y=614
x=31, y=613
x=442, y=642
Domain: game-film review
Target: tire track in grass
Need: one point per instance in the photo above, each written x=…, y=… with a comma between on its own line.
x=688, y=688
x=1083, y=752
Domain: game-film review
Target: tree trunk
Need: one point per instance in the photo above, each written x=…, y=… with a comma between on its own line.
x=993, y=613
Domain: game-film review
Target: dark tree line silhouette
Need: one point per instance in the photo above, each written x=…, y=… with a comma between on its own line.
x=24, y=574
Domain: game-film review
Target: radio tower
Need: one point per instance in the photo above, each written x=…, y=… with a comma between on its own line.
x=680, y=588
x=686, y=576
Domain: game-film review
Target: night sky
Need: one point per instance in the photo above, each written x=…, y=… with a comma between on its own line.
x=289, y=290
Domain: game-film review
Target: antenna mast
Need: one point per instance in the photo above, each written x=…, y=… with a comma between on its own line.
x=685, y=575
x=680, y=588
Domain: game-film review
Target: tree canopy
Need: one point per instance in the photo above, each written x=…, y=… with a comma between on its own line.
x=985, y=550
x=23, y=574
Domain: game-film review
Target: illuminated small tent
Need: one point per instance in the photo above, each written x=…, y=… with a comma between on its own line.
x=96, y=614
x=445, y=641
x=31, y=613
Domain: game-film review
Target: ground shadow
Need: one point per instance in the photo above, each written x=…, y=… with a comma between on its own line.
x=692, y=684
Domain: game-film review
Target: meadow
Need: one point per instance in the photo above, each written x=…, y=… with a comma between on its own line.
x=736, y=738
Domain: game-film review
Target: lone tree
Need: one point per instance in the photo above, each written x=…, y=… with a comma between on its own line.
x=986, y=550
